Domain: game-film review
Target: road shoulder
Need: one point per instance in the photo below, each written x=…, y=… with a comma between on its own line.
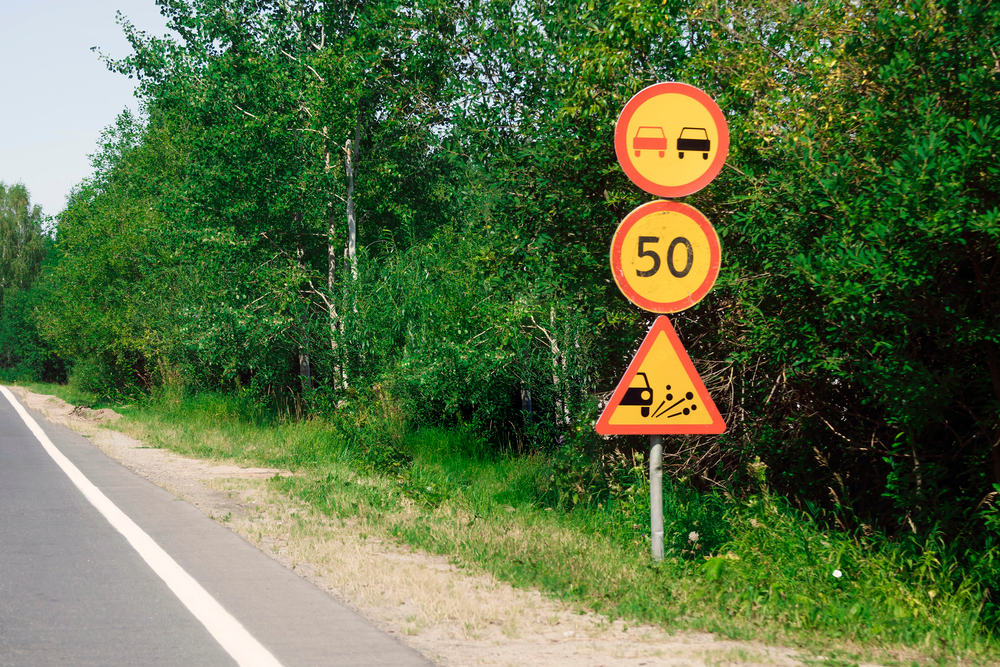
x=451, y=615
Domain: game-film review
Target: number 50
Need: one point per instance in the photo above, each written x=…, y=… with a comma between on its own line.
x=644, y=252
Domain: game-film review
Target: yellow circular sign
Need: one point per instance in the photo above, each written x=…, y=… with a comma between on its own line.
x=671, y=139
x=665, y=256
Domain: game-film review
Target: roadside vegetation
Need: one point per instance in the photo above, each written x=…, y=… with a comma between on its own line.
x=368, y=241
x=747, y=566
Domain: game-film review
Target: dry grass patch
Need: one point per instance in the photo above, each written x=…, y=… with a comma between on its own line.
x=459, y=615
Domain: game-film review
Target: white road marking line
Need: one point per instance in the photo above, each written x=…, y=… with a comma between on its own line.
x=229, y=632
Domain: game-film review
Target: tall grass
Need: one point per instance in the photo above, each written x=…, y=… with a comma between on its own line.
x=737, y=566
x=748, y=568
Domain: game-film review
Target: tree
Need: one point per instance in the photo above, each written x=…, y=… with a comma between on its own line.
x=111, y=304
x=23, y=248
x=22, y=243
x=861, y=226
x=268, y=107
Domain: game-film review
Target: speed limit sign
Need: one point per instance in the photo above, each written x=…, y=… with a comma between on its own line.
x=665, y=256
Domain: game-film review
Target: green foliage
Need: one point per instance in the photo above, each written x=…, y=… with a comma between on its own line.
x=392, y=218
x=445, y=338
x=223, y=210
x=860, y=227
x=24, y=354
x=783, y=566
x=22, y=243
x=375, y=426
x=110, y=293
x=24, y=248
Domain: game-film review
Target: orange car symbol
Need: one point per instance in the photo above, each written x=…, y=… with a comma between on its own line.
x=649, y=139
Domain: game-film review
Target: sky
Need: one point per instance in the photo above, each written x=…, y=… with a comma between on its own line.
x=56, y=96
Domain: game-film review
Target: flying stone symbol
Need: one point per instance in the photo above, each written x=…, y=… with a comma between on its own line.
x=683, y=411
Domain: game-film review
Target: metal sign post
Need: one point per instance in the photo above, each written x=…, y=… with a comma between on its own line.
x=656, y=495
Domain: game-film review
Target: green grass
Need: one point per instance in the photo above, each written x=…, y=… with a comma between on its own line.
x=212, y=426
x=762, y=569
x=757, y=569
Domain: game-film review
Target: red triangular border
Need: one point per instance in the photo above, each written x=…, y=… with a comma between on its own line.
x=662, y=324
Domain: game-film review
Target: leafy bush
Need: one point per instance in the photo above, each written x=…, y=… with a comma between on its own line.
x=24, y=250
x=24, y=355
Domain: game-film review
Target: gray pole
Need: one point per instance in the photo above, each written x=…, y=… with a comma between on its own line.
x=656, y=495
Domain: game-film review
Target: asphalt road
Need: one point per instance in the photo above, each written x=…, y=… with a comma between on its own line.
x=76, y=590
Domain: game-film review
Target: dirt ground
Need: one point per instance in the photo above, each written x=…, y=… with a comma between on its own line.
x=455, y=617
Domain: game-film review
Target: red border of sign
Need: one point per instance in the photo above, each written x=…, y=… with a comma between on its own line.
x=718, y=425
x=625, y=157
x=715, y=260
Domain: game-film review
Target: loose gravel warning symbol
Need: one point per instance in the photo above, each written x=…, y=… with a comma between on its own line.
x=661, y=393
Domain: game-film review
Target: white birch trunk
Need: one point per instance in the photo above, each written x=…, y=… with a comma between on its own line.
x=351, y=150
x=331, y=283
x=558, y=371
x=305, y=367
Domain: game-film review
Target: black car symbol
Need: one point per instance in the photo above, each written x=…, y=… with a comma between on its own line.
x=641, y=396
x=694, y=139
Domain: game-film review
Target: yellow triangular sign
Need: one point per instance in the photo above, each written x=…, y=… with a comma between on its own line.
x=661, y=393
